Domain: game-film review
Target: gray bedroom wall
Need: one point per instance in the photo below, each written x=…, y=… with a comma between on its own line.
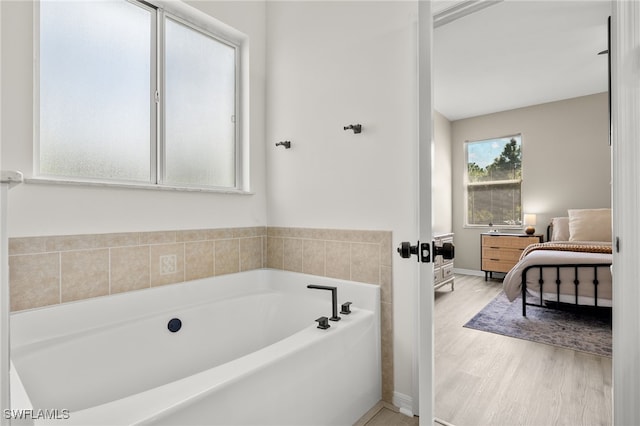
x=566, y=162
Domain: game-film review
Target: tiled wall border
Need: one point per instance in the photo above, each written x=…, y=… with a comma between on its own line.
x=55, y=269
x=363, y=256
x=49, y=270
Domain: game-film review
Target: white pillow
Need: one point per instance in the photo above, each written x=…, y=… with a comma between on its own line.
x=590, y=225
x=560, y=229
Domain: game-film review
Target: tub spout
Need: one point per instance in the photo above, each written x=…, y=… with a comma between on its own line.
x=334, y=299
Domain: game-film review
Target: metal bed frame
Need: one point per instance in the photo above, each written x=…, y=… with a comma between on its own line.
x=576, y=282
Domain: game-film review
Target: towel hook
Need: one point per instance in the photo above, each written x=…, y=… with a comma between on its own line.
x=286, y=144
x=357, y=128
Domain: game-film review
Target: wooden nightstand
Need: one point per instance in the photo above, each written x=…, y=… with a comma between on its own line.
x=501, y=251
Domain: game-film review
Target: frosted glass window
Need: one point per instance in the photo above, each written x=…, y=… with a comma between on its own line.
x=129, y=92
x=95, y=90
x=200, y=93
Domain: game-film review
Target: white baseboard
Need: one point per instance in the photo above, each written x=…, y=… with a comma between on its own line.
x=468, y=272
x=404, y=403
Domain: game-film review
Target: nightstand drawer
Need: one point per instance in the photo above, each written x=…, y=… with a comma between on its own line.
x=524, y=242
x=500, y=252
x=437, y=275
x=447, y=271
x=496, y=265
x=491, y=253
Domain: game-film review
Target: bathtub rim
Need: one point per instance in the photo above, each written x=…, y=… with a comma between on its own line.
x=30, y=327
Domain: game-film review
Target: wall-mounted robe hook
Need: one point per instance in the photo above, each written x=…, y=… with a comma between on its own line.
x=357, y=128
x=286, y=144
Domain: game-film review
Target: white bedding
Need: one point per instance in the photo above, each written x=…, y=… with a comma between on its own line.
x=513, y=280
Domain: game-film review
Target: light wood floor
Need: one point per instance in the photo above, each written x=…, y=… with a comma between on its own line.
x=486, y=379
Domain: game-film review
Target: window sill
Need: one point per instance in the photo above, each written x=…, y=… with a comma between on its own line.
x=50, y=181
x=501, y=228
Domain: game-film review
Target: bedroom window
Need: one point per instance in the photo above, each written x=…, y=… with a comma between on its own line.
x=132, y=93
x=493, y=179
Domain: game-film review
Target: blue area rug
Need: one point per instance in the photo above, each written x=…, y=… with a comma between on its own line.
x=579, y=331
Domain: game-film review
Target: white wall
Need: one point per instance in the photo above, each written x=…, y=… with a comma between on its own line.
x=441, y=193
x=53, y=210
x=565, y=162
x=330, y=64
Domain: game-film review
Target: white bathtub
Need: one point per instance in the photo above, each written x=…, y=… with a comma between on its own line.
x=248, y=352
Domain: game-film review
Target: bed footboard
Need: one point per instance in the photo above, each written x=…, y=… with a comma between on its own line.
x=581, y=273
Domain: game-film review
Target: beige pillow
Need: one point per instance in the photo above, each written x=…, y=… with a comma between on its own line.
x=590, y=225
x=560, y=229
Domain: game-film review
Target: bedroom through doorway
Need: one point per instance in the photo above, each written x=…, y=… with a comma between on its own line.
x=532, y=69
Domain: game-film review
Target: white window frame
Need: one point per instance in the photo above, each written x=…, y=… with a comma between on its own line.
x=468, y=184
x=198, y=21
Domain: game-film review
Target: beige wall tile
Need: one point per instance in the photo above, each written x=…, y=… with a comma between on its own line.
x=84, y=274
x=331, y=234
x=313, y=261
x=124, y=239
x=28, y=245
x=129, y=268
x=276, y=231
x=275, y=252
x=250, y=253
x=365, y=263
x=157, y=237
x=292, y=250
x=199, y=261
x=264, y=251
x=386, y=278
x=227, y=258
x=166, y=263
x=35, y=280
x=386, y=251
x=386, y=343
x=221, y=234
x=249, y=231
x=73, y=242
x=193, y=235
x=338, y=260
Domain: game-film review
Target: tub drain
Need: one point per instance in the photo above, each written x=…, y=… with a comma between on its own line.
x=174, y=325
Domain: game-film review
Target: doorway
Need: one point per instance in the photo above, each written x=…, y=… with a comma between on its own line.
x=472, y=241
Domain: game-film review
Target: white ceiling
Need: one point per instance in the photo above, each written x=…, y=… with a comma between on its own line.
x=518, y=53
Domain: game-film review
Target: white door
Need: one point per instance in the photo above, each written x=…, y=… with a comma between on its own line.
x=625, y=74
x=419, y=246
x=425, y=287
x=4, y=316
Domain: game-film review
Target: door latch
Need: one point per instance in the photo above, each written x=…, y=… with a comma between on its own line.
x=423, y=251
